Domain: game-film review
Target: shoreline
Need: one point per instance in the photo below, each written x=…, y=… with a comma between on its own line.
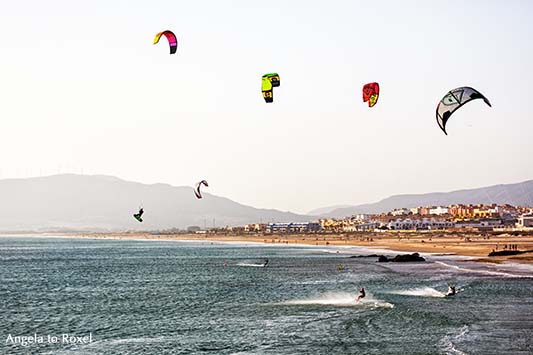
x=474, y=246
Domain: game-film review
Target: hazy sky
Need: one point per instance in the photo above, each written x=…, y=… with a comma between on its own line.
x=82, y=88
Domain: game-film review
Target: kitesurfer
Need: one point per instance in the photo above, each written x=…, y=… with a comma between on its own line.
x=266, y=263
x=451, y=290
x=362, y=294
x=138, y=216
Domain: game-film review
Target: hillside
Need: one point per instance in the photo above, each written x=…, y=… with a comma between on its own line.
x=515, y=194
x=83, y=202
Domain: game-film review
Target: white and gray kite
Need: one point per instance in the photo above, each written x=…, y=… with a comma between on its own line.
x=453, y=100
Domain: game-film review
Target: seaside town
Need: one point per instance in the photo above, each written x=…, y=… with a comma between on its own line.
x=458, y=217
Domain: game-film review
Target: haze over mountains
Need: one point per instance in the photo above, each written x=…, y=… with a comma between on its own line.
x=83, y=202
x=326, y=210
x=105, y=203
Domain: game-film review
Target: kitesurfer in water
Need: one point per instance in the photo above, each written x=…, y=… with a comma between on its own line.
x=361, y=294
x=266, y=263
x=451, y=290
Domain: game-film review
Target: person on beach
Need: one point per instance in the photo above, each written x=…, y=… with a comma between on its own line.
x=361, y=294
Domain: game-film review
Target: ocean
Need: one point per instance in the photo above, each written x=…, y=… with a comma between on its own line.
x=87, y=296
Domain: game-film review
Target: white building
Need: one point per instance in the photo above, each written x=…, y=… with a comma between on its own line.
x=424, y=224
x=526, y=221
x=400, y=212
x=439, y=211
x=363, y=227
x=361, y=217
x=254, y=227
x=485, y=224
x=414, y=210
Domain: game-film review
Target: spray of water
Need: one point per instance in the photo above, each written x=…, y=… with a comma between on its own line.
x=420, y=292
x=341, y=299
x=250, y=265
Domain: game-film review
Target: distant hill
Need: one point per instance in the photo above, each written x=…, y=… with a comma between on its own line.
x=325, y=210
x=105, y=203
x=515, y=194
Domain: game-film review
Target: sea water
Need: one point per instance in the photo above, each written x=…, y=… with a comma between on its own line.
x=167, y=297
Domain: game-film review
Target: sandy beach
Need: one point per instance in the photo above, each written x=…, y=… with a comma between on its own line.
x=470, y=244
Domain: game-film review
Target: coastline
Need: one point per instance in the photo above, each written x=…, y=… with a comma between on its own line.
x=474, y=246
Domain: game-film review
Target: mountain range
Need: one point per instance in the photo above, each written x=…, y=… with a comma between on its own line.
x=519, y=194
x=106, y=203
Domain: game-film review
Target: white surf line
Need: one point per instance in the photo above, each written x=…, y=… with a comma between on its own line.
x=486, y=272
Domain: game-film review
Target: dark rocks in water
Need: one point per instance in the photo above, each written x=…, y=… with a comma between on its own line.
x=507, y=252
x=405, y=258
x=383, y=259
x=415, y=257
x=365, y=256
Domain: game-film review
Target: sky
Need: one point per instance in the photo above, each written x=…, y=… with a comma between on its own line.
x=84, y=90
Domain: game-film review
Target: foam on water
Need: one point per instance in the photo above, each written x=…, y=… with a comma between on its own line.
x=250, y=265
x=448, y=345
x=342, y=299
x=316, y=282
x=420, y=292
x=481, y=271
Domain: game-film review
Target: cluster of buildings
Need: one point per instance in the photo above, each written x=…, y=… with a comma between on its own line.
x=459, y=216
x=478, y=217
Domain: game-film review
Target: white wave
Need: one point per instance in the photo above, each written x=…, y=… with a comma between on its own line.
x=481, y=271
x=420, y=292
x=250, y=265
x=450, y=349
x=316, y=282
x=447, y=342
x=517, y=267
x=334, y=251
x=343, y=299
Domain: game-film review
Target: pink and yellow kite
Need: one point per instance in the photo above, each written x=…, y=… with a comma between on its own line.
x=171, y=37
